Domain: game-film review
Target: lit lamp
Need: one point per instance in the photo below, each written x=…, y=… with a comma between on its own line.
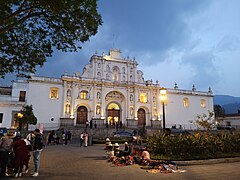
x=20, y=116
x=163, y=98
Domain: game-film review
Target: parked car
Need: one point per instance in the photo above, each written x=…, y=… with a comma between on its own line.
x=3, y=130
x=225, y=128
x=175, y=132
x=123, y=134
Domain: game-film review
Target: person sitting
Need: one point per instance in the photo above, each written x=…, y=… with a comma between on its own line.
x=126, y=151
x=137, y=153
x=110, y=151
x=107, y=142
x=145, y=157
x=116, y=150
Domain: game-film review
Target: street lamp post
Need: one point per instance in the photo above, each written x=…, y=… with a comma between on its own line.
x=163, y=98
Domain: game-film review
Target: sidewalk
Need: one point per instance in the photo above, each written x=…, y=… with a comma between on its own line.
x=207, y=161
x=74, y=162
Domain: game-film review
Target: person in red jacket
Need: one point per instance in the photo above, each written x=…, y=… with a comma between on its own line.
x=21, y=154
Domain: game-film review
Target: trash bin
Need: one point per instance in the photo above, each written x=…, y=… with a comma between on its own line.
x=90, y=143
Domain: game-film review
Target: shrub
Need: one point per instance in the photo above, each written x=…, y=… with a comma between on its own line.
x=200, y=145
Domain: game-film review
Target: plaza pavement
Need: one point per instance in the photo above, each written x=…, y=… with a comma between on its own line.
x=88, y=163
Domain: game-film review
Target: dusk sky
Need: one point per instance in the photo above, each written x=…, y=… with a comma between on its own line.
x=183, y=41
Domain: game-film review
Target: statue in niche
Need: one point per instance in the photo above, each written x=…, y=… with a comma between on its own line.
x=98, y=95
x=98, y=109
x=131, y=97
x=68, y=93
x=131, y=111
x=68, y=107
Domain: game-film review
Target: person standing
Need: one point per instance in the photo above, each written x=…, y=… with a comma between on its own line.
x=58, y=134
x=87, y=124
x=91, y=124
x=81, y=139
x=21, y=155
x=63, y=138
x=37, y=149
x=6, y=143
x=85, y=137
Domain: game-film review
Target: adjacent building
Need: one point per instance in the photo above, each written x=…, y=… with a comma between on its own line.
x=110, y=90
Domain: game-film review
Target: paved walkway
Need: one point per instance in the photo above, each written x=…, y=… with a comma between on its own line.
x=74, y=162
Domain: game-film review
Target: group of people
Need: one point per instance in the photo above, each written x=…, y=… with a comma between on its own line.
x=15, y=153
x=127, y=156
x=58, y=137
x=135, y=154
x=91, y=125
x=84, y=139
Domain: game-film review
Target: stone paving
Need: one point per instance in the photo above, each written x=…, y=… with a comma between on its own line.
x=74, y=162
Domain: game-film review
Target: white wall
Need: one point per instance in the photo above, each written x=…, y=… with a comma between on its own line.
x=45, y=108
x=176, y=113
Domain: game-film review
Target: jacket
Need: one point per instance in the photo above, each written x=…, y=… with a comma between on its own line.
x=38, y=142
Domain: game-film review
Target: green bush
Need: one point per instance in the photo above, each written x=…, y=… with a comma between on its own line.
x=198, y=146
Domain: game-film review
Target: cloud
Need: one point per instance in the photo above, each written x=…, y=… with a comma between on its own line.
x=204, y=73
x=153, y=27
x=228, y=43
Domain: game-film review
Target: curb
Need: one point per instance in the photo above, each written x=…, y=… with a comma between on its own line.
x=207, y=161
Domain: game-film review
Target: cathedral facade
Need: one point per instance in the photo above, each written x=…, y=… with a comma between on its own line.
x=109, y=91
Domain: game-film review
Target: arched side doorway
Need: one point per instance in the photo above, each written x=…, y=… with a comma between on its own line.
x=113, y=112
x=141, y=114
x=82, y=114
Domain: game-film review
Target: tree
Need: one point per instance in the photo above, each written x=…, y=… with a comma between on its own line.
x=205, y=121
x=219, y=111
x=30, y=29
x=26, y=116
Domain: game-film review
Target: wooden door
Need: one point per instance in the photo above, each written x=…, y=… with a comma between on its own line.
x=81, y=115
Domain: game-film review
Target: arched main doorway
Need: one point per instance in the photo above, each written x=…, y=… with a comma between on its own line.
x=82, y=115
x=113, y=114
x=141, y=114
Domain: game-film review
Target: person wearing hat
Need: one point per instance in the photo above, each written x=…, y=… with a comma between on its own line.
x=110, y=151
x=107, y=142
x=37, y=149
x=127, y=150
x=6, y=143
x=116, y=149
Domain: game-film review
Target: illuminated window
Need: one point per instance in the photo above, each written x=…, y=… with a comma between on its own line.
x=185, y=102
x=54, y=93
x=83, y=94
x=143, y=98
x=203, y=103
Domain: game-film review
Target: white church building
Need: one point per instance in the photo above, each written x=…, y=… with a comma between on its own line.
x=110, y=90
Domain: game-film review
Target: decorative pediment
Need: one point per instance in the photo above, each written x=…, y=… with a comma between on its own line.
x=114, y=96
